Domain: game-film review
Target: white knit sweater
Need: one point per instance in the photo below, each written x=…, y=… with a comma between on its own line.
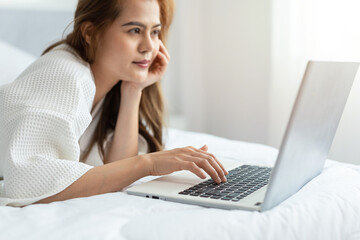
x=43, y=114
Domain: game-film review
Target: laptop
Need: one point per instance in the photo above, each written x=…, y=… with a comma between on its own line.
x=305, y=146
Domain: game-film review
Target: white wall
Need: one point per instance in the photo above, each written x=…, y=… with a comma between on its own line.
x=320, y=30
x=43, y=5
x=236, y=65
x=33, y=30
x=240, y=64
x=218, y=78
x=223, y=60
x=32, y=25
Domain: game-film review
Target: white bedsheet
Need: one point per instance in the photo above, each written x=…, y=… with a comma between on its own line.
x=326, y=208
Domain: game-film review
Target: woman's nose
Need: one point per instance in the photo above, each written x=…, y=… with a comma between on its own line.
x=146, y=44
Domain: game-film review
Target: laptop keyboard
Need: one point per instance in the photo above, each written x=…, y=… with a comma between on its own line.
x=241, y=182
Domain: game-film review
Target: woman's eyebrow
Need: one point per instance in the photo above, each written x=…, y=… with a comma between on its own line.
x=139, y=24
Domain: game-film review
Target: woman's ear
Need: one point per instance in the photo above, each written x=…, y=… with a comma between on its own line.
x=87, y=29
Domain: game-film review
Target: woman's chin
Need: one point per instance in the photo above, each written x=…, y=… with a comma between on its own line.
x=140, y=78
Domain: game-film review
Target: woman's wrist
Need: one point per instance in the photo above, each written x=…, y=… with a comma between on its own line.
x=130, y=98
x=129, y=89
x=143, y=164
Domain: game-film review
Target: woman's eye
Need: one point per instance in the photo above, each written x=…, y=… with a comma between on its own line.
x=156, y=32
x=135, y=30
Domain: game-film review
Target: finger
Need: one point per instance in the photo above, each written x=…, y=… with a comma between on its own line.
x=213, y=156
x=164, y=50
x=214, y=162
x=192, y=167
x=159, y=65
x=211, y=160
x=204, y=148
x=220, y=164
x=162, y=59
x=205, y=161
x=208, y=168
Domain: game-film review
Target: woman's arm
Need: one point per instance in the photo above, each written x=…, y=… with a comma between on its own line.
x=103, y=179
x=125, y=139
x=119, y=174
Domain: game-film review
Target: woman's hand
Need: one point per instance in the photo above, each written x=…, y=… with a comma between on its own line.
x=188, y=158
x=156, y=70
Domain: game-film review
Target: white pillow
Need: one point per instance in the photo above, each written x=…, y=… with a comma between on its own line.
x=12, y=62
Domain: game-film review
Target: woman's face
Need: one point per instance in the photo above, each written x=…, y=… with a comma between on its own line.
x=131, y=43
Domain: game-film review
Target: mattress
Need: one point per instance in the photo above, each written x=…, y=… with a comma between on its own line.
x=328, y=207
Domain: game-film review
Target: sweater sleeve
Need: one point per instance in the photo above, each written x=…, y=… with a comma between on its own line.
x=42, y=115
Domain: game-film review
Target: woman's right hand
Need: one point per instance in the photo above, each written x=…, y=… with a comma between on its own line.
x=187, y=158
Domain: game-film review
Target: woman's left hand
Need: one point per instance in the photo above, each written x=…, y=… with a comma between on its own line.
x=156, y=70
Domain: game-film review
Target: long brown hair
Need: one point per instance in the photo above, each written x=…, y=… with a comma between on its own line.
x=102, y=13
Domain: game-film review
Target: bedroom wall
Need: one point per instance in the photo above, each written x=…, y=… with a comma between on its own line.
x=319, y=30
x=34, y=29
x=223, y=61
x=217, y=81
x=236, y=66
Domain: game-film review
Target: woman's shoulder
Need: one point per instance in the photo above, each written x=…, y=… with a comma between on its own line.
x=58, y=80
x=64, y=60
x=65, y=52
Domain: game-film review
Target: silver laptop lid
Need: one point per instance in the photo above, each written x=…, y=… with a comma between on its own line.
x=315, y=117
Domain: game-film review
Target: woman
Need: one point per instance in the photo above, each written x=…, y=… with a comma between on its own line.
x=100, y=86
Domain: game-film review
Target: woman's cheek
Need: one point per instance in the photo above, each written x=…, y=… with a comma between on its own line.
x=156, y=48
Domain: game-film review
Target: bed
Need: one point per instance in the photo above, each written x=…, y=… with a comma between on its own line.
x=328, y=207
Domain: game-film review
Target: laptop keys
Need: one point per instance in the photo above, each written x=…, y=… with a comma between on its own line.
x=242, y=181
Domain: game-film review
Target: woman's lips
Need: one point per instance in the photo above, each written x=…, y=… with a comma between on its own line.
x=143, y=63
